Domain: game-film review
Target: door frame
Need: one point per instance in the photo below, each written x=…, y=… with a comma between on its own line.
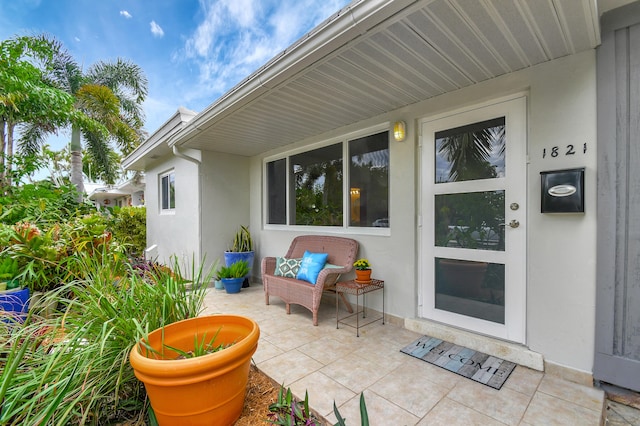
x=514, y=108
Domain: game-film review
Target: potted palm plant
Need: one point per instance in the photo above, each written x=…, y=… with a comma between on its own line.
x=232, y=276
x=206, y=386
x=241, y=249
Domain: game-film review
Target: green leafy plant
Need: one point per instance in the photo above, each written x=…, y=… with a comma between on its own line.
x=364, y=416
x=42, y=203
x=237, y=270
x=129, y=228
x=73, y=368
x=288, y=411
x=242, y=241
x=8, y=268
x=200, y=347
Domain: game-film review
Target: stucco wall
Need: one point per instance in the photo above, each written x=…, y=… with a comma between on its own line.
x=561, y=248
x=176, y=232
x=225, y=201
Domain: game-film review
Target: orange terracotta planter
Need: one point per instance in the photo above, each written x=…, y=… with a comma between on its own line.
x=206, y=390
x=363, y=276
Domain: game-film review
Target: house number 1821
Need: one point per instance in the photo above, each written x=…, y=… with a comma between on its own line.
x=556, y=151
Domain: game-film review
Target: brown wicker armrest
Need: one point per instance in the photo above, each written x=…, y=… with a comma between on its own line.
x=268, y=265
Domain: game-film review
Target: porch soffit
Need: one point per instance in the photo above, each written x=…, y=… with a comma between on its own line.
x=422, y=50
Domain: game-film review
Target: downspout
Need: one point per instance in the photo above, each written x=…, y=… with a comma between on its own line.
x=198, y=163
x=179, y=154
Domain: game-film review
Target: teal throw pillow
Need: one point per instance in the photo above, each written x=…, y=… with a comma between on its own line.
x=311, y=265
x=286, y=267
x=332, y=266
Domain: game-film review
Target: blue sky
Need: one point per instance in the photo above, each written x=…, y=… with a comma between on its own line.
x=192, y=51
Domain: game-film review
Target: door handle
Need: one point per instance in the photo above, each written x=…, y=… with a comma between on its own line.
x=513, y=224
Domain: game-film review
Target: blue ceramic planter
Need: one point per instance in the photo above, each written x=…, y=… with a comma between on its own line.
x=231, y=257
x=15, y=304
x=232, y=285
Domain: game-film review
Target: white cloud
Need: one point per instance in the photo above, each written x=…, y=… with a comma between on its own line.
x=156, y=30
x=236, y=37
x=125, y=14
x=77, y=39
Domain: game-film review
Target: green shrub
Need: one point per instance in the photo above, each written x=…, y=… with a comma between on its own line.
x=129, y=227
x=47, y=258
x=41, y=203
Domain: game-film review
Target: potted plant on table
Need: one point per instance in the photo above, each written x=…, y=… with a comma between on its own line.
x=233, y=276
x=363, y=271
x=205, y=386
x=241, y=249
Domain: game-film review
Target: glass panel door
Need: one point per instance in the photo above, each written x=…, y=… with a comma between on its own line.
x=474, y=165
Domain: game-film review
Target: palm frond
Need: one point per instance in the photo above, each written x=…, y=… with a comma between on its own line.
x=33, y=136
x=97, y=147
x=120, y=76
x=99, y=102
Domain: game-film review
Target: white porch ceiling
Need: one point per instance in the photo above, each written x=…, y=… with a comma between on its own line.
x=396, y=54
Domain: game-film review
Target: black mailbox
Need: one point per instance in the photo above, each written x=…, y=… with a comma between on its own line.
x=562, y=191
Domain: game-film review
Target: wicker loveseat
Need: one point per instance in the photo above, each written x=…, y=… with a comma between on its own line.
x=342, y=253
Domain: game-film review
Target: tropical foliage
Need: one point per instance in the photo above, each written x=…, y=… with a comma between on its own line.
x=110, y=93
x=129, y=227
x=44, y=229
x=242, y=241
x=72, y=368
x=28, y=97
x=238, y=269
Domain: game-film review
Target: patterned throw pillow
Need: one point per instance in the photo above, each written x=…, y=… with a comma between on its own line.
x=287, y=268
x=311, y=265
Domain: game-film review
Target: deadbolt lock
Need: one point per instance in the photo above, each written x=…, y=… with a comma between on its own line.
x=514, y=206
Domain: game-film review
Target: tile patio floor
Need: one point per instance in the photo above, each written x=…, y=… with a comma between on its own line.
x=335, y=365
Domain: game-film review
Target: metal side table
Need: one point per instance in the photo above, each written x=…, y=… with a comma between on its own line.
x=357, y=289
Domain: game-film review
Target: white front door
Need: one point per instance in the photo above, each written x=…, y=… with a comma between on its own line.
x=473, y=227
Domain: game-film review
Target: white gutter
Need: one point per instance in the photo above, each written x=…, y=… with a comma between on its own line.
x=339, y=30
x=184, y=156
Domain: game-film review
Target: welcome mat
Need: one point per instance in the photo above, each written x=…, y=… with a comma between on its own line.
x=474, y=365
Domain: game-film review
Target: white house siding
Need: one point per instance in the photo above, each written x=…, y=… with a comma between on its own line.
x=561, y=248
x=177, y=232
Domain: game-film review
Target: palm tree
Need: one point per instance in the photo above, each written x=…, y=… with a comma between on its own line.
x=27, y=97
x=110, y=93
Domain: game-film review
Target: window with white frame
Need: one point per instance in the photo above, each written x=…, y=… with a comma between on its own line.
x=315, y=182
x=168, y=191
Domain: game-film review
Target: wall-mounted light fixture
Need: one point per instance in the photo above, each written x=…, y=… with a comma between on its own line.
x=399, y=131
